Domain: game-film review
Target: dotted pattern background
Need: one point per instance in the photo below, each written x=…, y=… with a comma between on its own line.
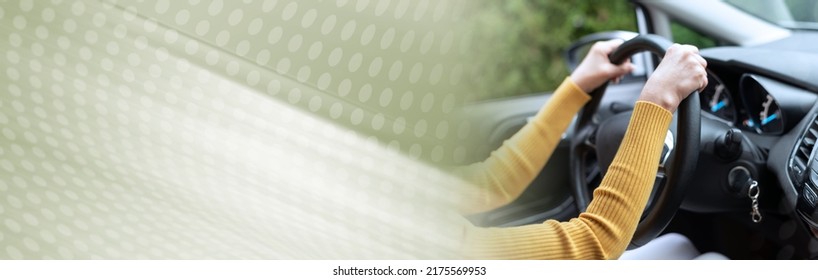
x=188, y=129
x=389, y=69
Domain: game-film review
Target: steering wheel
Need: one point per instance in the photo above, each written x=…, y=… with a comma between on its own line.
x=674, y=172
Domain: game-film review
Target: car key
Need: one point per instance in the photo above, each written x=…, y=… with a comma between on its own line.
x=753, y=193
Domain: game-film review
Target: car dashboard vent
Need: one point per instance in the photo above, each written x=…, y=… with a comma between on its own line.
x=802, y=153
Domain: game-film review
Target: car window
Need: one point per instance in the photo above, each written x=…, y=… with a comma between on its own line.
x=683, y=34
x=799, y=14
x=527, y=40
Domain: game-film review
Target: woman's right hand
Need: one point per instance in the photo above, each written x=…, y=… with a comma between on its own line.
x=681, y=72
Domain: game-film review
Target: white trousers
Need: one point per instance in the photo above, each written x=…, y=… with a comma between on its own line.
x=671, y=246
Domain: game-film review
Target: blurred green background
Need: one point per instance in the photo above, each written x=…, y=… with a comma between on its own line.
x=529, y=38
x=522, y=42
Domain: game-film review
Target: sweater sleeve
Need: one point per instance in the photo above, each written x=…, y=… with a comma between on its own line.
x=510, y=169
x=606, y=228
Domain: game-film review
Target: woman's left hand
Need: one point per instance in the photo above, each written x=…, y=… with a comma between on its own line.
x=596, y=69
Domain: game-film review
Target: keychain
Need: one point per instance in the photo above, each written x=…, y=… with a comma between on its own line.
x=753, y=193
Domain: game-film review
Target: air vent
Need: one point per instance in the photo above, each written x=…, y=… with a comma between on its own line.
x=803, y=151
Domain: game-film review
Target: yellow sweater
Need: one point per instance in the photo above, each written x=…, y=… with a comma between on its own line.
x=606, y=228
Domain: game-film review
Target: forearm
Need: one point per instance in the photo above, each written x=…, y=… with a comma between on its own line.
x=604, y=231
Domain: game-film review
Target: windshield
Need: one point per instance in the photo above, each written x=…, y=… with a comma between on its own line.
x=794, y=14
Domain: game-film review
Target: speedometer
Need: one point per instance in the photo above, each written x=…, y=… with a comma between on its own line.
x=716, y=99
x=769, y=114
x=764, y=114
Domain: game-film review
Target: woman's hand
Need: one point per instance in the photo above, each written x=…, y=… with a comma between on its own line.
x=679, y=74
x=596, y=69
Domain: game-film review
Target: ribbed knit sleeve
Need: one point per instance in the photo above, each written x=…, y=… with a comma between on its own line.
x=606, y=228
x=510, y=169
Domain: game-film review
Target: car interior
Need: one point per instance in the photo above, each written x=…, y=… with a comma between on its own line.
x=751, y=193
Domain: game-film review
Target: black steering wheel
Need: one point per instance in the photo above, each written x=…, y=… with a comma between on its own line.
x=674, y=171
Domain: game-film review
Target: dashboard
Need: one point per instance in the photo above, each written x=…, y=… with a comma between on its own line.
x=770, y=98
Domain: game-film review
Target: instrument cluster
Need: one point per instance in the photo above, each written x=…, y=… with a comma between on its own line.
x=756, y=109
